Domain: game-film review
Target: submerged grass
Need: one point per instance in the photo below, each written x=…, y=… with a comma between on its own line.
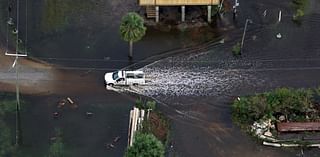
x=300, y=7
x=57, y=13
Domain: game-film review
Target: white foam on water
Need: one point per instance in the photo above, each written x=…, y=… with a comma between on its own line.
x=181, y=81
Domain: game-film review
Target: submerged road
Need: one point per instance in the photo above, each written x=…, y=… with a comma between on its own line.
x=196, y=90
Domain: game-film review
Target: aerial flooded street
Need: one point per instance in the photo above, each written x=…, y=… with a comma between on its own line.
x=199, y=88
x=194, y=89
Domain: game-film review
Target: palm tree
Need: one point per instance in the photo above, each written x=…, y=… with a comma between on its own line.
x=132, y=29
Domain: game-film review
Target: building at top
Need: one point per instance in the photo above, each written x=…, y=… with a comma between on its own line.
x=152, y=6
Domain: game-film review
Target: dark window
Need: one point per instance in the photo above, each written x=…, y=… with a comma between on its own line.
x=130, y=75
x=139, y=76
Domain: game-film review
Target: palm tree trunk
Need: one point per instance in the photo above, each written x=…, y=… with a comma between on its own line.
x=130, y=49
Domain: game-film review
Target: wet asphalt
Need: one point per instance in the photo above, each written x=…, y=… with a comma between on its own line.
x=200, y=117
x=201, y=114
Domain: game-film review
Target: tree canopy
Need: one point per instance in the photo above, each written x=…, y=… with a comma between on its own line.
x=132, y=27
x=145, y=145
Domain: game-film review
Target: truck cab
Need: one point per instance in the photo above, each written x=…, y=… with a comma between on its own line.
x=124, y=78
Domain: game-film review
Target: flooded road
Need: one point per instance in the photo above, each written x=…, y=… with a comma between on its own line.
x=42, y=87
x=74, y=58
x=199, y=102
x=195, y=89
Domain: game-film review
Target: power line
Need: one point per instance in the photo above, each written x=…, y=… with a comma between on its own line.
x=179, y=61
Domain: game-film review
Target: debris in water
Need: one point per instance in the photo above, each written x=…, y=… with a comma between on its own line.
x=112, y=145
x=55, y=115
x=70, y=101
x=116, y=139
x=62, y=103
x=279, y=36
x=73, y=105
x=89, y=114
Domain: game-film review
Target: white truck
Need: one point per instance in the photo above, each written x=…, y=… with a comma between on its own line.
x=124, y=78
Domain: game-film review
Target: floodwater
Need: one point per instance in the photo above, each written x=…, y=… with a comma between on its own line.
x=88, y=46
x=195, y=89
x=90, y=38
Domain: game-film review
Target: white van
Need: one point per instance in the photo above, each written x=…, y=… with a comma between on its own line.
x=124, y=78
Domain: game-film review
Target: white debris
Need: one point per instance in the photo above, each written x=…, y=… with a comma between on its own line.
x=259, y=128
x=279, y=36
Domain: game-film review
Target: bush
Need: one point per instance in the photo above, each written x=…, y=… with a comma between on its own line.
x=145, y=145
x=145, y=105
x=299, y=6
x=283, y=101
x=158, y=125
x=236, y=49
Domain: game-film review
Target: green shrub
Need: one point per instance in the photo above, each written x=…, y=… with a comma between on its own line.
x=299, y=6
x=139, y=103
x=145, y=145
x=145, y=105
x=158, y=125
x=283, y=101
x=57, y=147
x=151, y=105
x=236, y=49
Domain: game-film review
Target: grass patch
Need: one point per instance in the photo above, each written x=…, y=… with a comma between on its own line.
x=7, y=106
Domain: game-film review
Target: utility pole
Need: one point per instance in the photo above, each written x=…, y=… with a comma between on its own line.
x=18, y=118
x=244, y=34
x=15, y=65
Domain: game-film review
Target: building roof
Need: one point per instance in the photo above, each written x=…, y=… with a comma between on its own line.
x=177, y=2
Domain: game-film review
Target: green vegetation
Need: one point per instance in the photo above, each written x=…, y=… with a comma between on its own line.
x=236, y=49
x=299, y=6
x=57, y=13
x=294, y=104
x=132, y=29
x=7, y=106
x=158, y=125
x=145, y=105
x=145, y=145
x=6, y=147
x=57, y=147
